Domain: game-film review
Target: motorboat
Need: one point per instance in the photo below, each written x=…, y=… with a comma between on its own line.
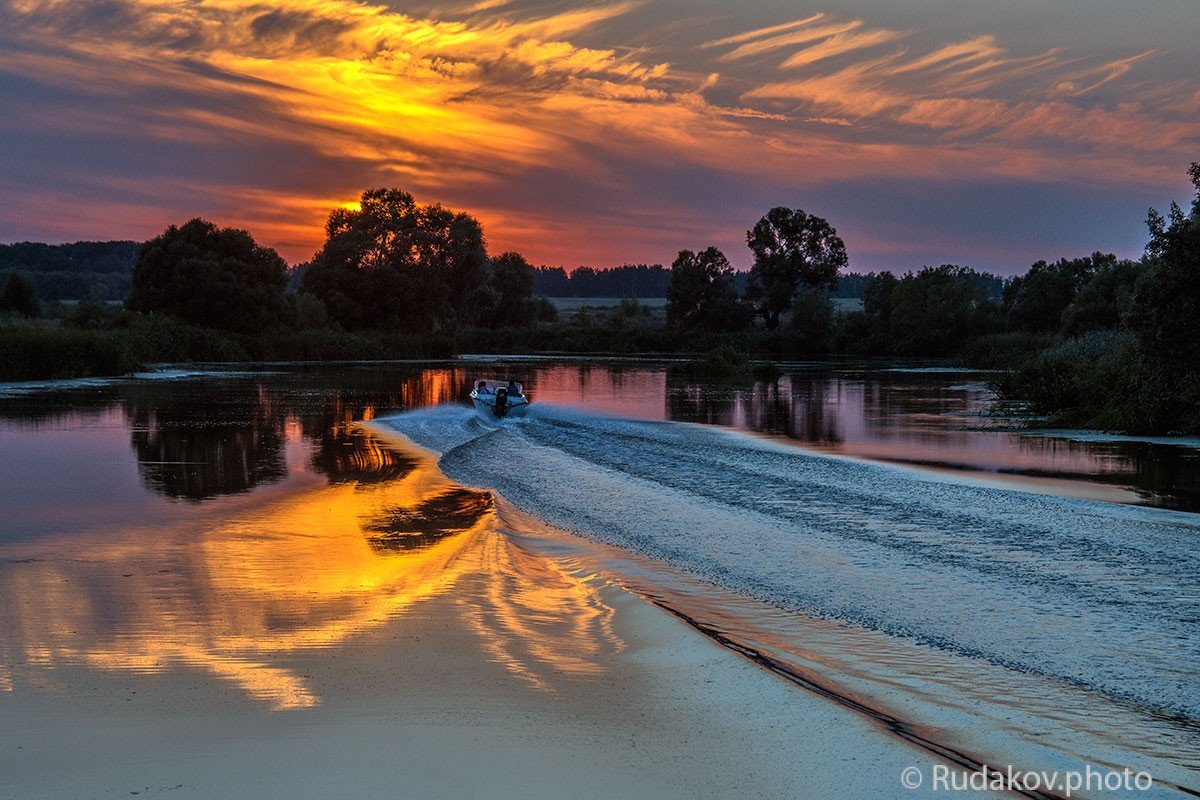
x=499, y=399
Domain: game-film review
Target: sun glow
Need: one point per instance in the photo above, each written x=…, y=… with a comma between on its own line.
x=562, y=128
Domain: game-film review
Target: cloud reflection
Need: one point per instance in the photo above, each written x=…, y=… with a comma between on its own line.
x=242, y=596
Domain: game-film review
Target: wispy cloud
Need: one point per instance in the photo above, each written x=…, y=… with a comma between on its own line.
x=1094, y=77
x=546, y=120
x=971, y=88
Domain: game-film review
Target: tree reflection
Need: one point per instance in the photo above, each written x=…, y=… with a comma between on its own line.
x=207, y=436
x=350, y=456
x=803, y=408
x=200, y=440
x=192, y=449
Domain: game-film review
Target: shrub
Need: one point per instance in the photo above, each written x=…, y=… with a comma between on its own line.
x=1101, y=380
x=32, y=352
x=1003, y=350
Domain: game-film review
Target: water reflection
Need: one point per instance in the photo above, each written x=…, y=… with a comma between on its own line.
x=940, y=420
x=302, y=530
x=347, y=454
x=415, y=528
x=212, y=437
x=194, y=450
x=243, y=595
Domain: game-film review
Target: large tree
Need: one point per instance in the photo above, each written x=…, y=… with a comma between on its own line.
x=792, y=250
x=513, y=278
x=393, y=262
x=210, y=276
x=19, y=296
x=1165, y=310
x=1036, y=301
x=701, y=296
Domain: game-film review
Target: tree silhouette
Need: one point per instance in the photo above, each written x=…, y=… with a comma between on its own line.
x=877, y=297
x=1037, y=300
x=700, y=295
x=513, y=279
x=1165, y=312
x=393, y=262
x=1104, y=301
x=19, y=296
x=216, y=277
x=791, y=249
x=935, y=310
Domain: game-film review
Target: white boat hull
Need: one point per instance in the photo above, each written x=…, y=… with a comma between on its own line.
x=515, y=408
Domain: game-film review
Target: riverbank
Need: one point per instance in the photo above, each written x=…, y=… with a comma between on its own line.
x=1063, y=386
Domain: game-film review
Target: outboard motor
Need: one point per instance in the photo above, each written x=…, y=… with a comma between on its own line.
x=501, y=401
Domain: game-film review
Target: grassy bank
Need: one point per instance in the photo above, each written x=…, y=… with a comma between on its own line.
x=116, y=343
x=1103, y=380
x=45, y=350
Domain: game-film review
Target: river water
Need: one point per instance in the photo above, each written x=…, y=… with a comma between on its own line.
x=883, y=523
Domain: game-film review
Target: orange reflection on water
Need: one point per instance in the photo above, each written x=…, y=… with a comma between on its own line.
x=241, y=596
x=524, y=598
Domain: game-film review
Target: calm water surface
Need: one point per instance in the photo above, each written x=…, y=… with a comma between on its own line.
x=227, y=520
x=115, y=448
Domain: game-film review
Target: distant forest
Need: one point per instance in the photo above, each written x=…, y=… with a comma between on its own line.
x=645, y=281
x=102, y=271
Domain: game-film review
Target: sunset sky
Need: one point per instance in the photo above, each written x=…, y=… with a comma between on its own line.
x=927, y=131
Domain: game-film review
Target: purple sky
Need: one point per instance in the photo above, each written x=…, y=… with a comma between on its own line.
x=927, y=131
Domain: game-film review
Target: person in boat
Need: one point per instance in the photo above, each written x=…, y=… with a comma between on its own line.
x=514, y=388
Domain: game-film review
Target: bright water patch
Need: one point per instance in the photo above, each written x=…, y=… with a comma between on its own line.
x=1097, y=594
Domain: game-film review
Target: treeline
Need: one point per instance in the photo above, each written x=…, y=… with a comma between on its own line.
x=642, y=281
x=1125, y=354
x=1086, y=341
x=394, y=279
x=1093, y=341
x=629, y=280
x=103, y=271
x=99, y=271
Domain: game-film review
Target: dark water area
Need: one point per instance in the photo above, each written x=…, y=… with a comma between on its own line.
x=87, y=452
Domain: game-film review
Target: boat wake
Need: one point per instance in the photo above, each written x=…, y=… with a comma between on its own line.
x=1099, y=595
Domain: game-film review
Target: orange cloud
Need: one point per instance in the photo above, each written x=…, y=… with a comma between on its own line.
x=563, y=129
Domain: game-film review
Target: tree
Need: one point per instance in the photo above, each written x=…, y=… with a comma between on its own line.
x=700, y=295
x=1035, y=302
x=1104, y=301
x=877, y=297
x=935, y=310
x=791, y=249
x=1165, y=310
x=811, y=322
x=552, y=282
x=513, y=278
x=210, y=276
x=393, y=262
x=19, y=296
